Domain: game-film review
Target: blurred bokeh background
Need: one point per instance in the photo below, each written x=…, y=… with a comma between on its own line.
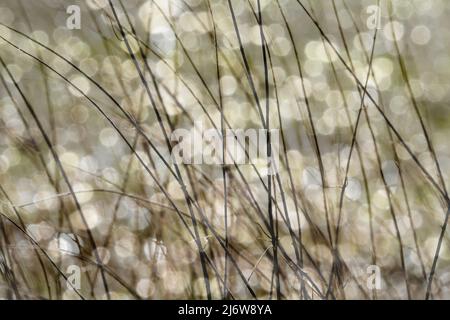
x=358, y=207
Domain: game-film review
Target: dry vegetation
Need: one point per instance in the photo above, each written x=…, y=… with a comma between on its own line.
x=86, y=177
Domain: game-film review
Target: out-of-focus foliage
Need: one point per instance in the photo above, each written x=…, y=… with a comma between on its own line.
x=363, y=164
